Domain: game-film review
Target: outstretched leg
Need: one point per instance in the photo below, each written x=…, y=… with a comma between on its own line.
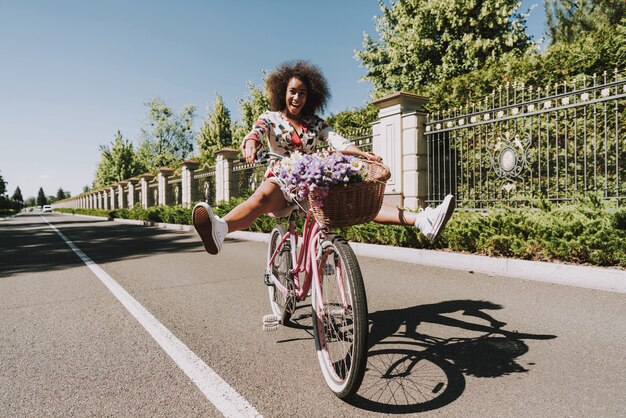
x=429, y=221
x=212, y=229
x=391, y=215
x=268, y=197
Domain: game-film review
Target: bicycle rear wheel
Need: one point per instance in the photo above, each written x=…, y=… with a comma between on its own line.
x=282, y=305
x=340, y=318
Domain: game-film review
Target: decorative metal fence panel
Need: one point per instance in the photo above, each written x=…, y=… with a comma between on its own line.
x=520, y=143
x=204, y=186
x=246, y=178
x=174, y=190
x=153, y=192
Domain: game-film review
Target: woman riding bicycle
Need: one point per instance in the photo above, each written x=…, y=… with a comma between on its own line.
x=297, y=91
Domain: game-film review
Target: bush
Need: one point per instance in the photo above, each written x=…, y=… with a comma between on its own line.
x=589, y=231
x=8, y=212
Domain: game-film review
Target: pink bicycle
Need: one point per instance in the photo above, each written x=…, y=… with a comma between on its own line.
x=325, y=264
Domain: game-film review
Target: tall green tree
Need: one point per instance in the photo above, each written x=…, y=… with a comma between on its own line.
x=118, y=161
x=216, y=132
x=595, y=48
x=252, y=105
x=167, y=138
x=41, y=198
x=3, y=186
x=17, y=195
x=423, y=42
x=60, y=194
x=569, y=20
x=354, y=122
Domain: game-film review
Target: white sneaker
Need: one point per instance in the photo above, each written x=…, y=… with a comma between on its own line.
x=432, y=221
x=212, y=229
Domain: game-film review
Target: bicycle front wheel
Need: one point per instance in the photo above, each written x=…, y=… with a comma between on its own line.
x=282, y=305
x=340, y=318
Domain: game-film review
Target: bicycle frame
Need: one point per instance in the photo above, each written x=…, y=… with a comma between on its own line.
x=305, y=261
x=325, y=265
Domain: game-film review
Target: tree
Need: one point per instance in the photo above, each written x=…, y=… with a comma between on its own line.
x=60, y=194
x=424, y=42
x=255, y=103
x=3, y=186
x=86, y=188
x=593, y=50
x=570, y=20
x=41, y=198
x=168, y=138
x=216, y=132
x=354, y=123
x=17, y=195
x=30, y=201
x=118, y=161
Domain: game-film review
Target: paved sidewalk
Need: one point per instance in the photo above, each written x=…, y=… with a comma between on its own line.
x=609, y=279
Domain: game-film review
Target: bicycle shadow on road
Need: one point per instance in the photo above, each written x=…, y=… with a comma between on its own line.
x=410, y=371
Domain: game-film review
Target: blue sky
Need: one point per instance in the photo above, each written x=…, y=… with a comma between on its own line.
x=72, y=73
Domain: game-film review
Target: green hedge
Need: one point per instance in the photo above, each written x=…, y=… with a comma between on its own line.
x=8, y=212
x=588, y=232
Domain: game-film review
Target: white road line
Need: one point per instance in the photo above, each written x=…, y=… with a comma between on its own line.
x=221, y=394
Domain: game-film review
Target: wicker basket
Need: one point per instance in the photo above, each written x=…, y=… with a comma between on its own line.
x=353, y=203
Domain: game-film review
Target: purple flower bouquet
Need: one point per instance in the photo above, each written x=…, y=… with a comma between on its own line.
x=312, y=175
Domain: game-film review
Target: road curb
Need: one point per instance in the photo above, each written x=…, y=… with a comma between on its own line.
x=599, y=278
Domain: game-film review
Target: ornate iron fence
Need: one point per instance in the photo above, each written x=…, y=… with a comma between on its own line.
x=203, y=185
x=521, y=143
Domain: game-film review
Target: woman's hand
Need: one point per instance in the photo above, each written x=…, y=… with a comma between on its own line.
x=372, y=157
x=249, y=151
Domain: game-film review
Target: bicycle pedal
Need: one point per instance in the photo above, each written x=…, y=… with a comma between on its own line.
x=270, y=323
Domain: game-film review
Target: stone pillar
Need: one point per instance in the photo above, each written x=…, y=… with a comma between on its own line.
x=145, y=198
x=187, y=182
x=398, y=137
x=121, y=199
x=162, y=176
x=99, y=198
x=112, y=195
x=105, y=200
x=132, y=192
x=223, y=173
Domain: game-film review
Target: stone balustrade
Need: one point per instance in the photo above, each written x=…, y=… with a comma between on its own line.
x=398, y=136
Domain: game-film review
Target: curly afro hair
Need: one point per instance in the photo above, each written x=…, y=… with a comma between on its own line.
x=318, y=93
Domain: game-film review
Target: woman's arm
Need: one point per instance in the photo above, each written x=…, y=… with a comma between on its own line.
x=254, y=140
x=354, y=150
x=343, y=145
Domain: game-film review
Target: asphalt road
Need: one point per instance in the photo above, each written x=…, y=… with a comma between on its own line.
x=443, y=342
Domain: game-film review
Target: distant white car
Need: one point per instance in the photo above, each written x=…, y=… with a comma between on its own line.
x=47, y=208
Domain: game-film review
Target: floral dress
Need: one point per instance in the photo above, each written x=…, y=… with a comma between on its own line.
x=283, y=138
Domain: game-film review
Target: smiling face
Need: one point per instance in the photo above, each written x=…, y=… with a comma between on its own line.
x=295, y=99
